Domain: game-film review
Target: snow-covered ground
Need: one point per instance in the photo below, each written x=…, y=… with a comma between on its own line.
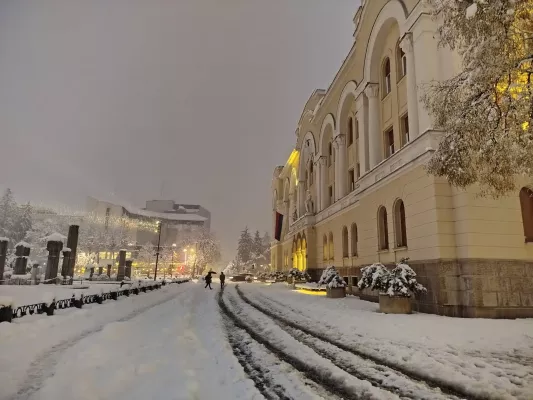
x=260, y=341
x=165, y=344
x=481, y=357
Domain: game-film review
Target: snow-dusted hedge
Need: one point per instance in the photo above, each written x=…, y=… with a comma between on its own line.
x=299, y=275
x=400, y=281
x=331, y=278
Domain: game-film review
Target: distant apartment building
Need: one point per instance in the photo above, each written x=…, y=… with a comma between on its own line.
x=178, y=222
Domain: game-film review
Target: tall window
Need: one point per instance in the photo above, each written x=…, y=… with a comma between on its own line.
x=526, y=203
x=350, y=131
x=356, y=128
x=330, y=195
x=345, y=242
x=325, y=248
x=404, y=129
x=402, y=63
x=351, y=177
x=358, y=170
x=354, y=239
x=311, y=173
x=331, y=248
x=383, y=229
x=400, y=228
x=389, y=143
x=330, y=153
x=386, y=77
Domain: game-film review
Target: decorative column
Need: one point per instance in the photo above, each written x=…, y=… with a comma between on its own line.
x=35, y=276
x=412, y=97
x=65, y=267
x=342, y=170
x=323, y=183
x=91, y=273
x=301, y=198
x=72, y=244
x=127, y=269
x=109, y=270
x=121, y=265
x=3, y=254
x=54, y=248
x=100, y=270
x=363, y=138
x=317, y=207
x=22, y=252
x=374, y=125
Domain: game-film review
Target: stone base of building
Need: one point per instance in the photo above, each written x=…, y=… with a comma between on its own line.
x=466, y=288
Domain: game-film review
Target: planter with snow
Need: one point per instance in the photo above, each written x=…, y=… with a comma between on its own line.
x=6, y=309
x=335, y=292
x=335, y=285
x=394, y=304
x=395, y=287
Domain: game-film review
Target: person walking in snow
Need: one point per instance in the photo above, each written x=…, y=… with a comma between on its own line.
x=208, y=281
x=222, y=279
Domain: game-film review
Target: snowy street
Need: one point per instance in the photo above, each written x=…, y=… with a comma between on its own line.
x=258, y=341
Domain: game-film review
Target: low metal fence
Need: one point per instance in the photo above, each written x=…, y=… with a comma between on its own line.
x=8, y=313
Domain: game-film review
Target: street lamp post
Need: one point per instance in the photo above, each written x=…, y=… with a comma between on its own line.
x=157, y=252
x=172, y=262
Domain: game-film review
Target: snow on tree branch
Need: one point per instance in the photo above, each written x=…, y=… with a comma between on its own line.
x=487, y=109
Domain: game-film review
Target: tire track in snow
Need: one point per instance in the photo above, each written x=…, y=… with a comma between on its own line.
x=443, y=386
x=327, y=384
x=42, y=367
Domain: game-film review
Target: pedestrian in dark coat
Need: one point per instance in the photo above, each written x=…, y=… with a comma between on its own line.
x=222, y=279
x=208, y=281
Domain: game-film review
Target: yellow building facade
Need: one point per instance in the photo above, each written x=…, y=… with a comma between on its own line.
x=354, y=190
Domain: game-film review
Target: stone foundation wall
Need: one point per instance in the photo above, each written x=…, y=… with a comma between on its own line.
x=467, y=288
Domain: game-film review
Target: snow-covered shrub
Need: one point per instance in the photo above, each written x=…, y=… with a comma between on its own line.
x=127, y=278
x=102, y=277
x=401, y=281
x=375, y=277
x=278, y=276
x=331, y=278
x=298, y=275
x=249, y=278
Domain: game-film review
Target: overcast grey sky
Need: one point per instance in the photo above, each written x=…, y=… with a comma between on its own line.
x=102, y=96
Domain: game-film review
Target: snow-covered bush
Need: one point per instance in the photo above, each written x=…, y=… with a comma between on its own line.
x=278, y=276
x=298, y=275
x=400, y=281
x=102, y=277
x=403, y=281
x=375, y=277
x=249, y=278
x=331, y=278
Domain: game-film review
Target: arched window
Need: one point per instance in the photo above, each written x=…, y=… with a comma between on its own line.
x=400, y=228
x=330, y=153
x=331, y=248
x=383, y=229
x=350, y=131
x=345, y=242
x=386, y=77
x=311, y=173
x=401, y=62
x=354, y=239
x=325, y=248
x=526, y=204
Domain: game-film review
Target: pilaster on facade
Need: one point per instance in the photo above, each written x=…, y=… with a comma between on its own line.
x=374, y=124
x=342, y=168
x=360, y=114
x=323, y=182
x=406, y=45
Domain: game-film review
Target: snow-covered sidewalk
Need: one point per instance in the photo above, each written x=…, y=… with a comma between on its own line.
x=487, y=358
x=176, y=349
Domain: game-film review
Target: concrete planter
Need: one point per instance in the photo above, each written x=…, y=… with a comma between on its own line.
x=336, y=293
x=395, y=304
x=6, y=314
